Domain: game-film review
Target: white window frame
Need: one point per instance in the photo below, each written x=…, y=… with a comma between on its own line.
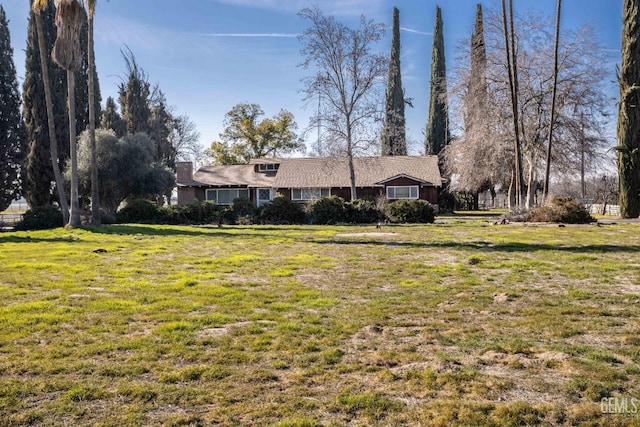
x=239, y=192
x=413, y=192
x=304, y=194
x=259, y=201
x=268, y=167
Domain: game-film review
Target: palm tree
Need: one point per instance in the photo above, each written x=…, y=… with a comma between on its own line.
x=95, y=195
x=67, y=54
x=38, y=6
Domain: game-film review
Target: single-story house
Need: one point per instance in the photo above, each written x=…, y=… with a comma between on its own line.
x=304, y=179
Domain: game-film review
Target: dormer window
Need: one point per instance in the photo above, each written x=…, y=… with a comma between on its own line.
x=268, y=167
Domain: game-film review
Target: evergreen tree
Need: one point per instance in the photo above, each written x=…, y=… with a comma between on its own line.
x=82, y=84
x=11, y=124
x=393, y=134
x=93, y=114
x=438, y=134
x=629, y=113
x=134, y=96
x=477, y=96
x=159, y=130
x=38, y=173
x=111, y=119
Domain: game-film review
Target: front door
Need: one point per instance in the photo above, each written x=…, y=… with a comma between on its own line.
x=265, y=195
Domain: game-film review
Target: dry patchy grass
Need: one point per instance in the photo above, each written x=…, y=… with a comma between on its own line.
x=448, y=324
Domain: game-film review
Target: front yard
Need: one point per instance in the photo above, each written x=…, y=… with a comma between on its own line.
x=462, y=323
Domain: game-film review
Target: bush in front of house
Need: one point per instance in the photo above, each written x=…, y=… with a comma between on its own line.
x=199, y=213
x=243, y=211
x=282, y=211
x=40, y=218
x=142, y=211
x=329, y=210
x=410, y=211
x=364, y=211
x=562, y=210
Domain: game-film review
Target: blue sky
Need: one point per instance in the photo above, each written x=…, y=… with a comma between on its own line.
x=208, y=55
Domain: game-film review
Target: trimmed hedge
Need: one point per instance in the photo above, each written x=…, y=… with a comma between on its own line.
x=410, y=211
x=325, y=210
x=41, y=218
x=141, y=211
x=282, y=211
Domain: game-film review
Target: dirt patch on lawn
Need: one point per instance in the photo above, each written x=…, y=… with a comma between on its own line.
x=367, y=234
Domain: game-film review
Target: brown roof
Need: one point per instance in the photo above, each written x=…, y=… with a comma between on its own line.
x=369, y=171
x=233, y=175
x=323, y=172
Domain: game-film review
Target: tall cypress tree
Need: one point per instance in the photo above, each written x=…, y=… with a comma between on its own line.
x=477, y=96
x=629, y=113
x=393, y=135
x=111, y=119
x=82, y=85
x=11, y=124
x=38, y=172
x=134, y=97
x=438, y=134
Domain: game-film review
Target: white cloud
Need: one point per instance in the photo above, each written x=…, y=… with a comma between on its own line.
x=274, y=35
x=412, y=31
x=334, y=7
x=121, y=31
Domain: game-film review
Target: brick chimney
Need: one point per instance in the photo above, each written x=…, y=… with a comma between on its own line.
x=184, y=171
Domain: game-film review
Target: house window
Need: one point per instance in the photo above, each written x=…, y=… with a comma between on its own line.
x=268, y=167
x=226, y=196
x=309, y=193
x=402, y=192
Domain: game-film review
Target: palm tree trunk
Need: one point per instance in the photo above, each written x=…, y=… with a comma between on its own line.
x=95, y=195
x=53, y=144
x=74, y=217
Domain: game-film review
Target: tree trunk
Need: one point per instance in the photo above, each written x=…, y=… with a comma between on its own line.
x=629, y=113
x=553, y=105
x=74, y=214
x=53, y=144
x=512, y=67
x=352, y=172
x=95, y=195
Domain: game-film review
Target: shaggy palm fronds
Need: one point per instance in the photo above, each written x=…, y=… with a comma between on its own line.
x=69, y=19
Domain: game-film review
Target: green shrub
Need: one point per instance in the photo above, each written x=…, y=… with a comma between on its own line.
x=410, y=211
x=198, y=213
x=328, y=210
x=282, y=211
x=242, y=211
x=142, y=211
x=363, y=211
x=41, y=218
x=562, y=209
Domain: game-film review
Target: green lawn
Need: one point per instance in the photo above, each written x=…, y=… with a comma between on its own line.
x=461, y=323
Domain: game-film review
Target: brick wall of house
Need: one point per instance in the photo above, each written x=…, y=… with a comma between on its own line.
x=187, y=195
x=184, y=171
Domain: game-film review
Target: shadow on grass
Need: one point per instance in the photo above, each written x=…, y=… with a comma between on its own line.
x=160, y=230
x=190, y=230
x=489, y=247
x=12, y=238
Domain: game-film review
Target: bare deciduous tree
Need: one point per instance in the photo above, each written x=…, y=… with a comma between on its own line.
x=347, y=76
x=581, y=105
x=184, y=138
